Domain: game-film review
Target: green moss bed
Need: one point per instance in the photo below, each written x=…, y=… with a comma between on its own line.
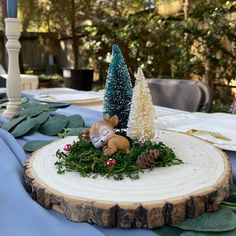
x=84, y=158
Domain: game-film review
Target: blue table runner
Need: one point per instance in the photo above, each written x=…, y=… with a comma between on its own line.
x=20, y=214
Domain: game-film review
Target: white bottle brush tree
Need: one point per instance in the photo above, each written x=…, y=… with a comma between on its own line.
x=141, y=124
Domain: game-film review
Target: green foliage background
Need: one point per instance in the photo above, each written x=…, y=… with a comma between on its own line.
x=195, y=48
x=201, y=47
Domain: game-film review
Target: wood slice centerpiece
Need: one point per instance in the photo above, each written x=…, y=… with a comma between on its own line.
x=162, y=196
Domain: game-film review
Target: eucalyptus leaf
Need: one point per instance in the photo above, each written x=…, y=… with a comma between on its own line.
x=35, y=145
x=219, y=221
x=74, y=131
x=33, y=110
x=168, y=231
x=33, y=130
x=24, y=127
x=233, y=208
x=41, y=118
x=29, y=104
x=75, y=121
x=58, y=105
x=52, y=109
x=11, y=124
x=54, y=125
x=193, y=233
x=227, y=203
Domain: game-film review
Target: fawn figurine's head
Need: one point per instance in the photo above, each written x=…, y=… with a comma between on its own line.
x=102, y=131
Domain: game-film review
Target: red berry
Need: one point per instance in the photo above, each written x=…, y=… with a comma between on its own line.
x=111, y=162
x=67, y=147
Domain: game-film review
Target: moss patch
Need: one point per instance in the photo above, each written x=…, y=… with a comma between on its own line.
x=84, y=158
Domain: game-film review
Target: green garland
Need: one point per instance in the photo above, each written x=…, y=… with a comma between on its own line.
x=90, y=162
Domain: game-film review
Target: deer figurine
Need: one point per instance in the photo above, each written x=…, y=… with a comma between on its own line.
x=102, y=135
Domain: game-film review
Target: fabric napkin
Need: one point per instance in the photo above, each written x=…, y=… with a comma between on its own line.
x=223, y=124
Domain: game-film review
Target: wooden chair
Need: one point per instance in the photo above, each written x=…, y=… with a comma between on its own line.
x=187, y=95
x=28, y=82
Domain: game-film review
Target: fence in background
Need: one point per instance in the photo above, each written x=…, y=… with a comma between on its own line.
x=41, y=52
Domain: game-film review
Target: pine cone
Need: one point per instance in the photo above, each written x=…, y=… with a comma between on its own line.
x=147, y=158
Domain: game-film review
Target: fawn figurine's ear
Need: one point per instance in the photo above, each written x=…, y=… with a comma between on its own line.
x=107, y=117
x=85, y=136
x=114, y=121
